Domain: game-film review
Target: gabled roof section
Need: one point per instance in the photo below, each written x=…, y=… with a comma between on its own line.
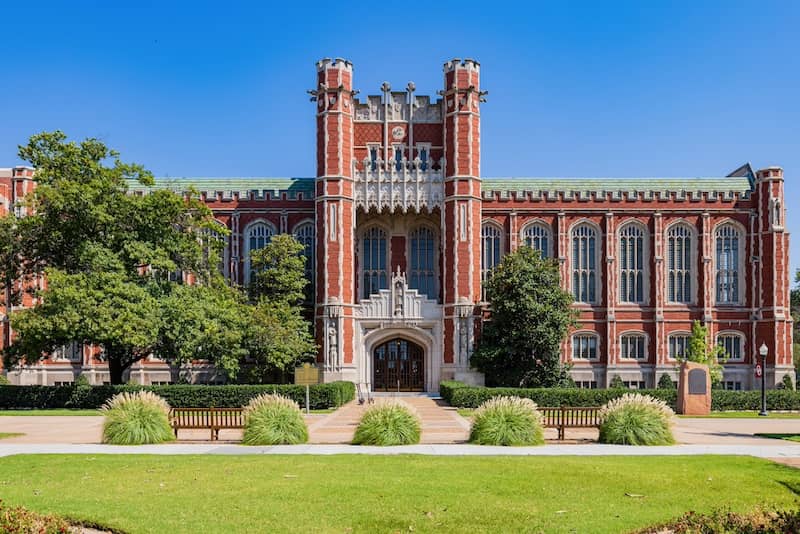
x=745, y=170
x=243, y=186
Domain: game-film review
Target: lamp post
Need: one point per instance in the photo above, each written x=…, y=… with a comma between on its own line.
x=763, y=350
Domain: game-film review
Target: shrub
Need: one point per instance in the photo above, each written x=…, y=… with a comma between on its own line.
x=507, y=421
x=388, y=423
x=665, y=382
x=329, y=395
x=136, y=418
x=759, y=521
x=447, y=387
x=787, y=383
x=617, y=383
x=273, y=420
x=636, y=419
x=18, y=519
x=4, y=380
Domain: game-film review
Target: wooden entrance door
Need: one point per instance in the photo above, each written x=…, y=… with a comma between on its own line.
x=398, y=365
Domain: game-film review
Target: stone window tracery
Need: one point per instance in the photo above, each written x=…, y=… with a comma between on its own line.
x=373, y=259
x=538, y=237
x=422, y=272
x=679, y=264
x=678, y=345
x=728, y=270
x=584, y=263
x=585, y=346
x=733, y=345
x=633, y=346
x=631, y=264
x=491, y=252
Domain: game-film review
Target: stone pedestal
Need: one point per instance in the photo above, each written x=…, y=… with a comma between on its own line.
x=694, y=389
x=469, y=377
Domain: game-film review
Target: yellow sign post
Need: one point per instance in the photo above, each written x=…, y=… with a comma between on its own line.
x=306, y=375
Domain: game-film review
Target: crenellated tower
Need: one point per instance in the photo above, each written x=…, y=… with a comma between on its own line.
x=334, y=216
x=461, y=215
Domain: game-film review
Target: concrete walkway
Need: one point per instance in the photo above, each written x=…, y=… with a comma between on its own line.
x=780, y=451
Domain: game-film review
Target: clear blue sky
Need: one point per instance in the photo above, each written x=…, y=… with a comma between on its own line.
x=637, y=88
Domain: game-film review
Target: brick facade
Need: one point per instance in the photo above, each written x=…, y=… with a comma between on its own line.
x=405, y=227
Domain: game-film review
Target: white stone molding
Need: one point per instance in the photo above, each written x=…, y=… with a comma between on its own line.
x=387, y=188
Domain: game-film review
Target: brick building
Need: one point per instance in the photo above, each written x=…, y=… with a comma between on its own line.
x=400, y=230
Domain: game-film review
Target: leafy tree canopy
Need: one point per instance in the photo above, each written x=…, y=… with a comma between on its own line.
x=530, y=317
x=700, y=350
x=279, y=270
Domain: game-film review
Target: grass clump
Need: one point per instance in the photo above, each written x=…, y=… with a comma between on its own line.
x=272, y=419
x=636, y=419
x=136, y=418
x=507, y=421
x=388, y=423
x=759, y=521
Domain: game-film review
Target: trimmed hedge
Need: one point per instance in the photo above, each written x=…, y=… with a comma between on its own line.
x=464, y=396
x=321, y=396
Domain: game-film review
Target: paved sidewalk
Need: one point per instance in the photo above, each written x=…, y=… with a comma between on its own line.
x=778, y=452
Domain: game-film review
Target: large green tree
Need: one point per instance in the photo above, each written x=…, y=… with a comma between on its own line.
x=107, y=255
x=278, y=337
x=530, y=317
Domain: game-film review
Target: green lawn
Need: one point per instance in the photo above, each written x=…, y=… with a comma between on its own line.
x=4, y=435
x=56, y=411
x=787, y=437
x=389, y=493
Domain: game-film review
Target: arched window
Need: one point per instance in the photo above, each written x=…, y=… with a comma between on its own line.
x=584, y=263
x=631, y=263
x=258, y=235
x=728, y=247
x=585, y=346
x=373, y=259
x=537, y=236
x=491, y=253
x=304, y=233
x=678, y=345
x=422, y=274
x=679, y=264
x=733, y=345
x=633, y=346
x=215, y=241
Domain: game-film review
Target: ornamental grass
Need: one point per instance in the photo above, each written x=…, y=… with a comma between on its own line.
x=507, y=421
x=271, y=419
x=389, y=422
x=635, y=419
x=136, y=418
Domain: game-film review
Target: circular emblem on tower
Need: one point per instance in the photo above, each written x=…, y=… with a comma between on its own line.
x=398, y=132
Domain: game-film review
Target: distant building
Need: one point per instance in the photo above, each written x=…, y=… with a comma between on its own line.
x=401, y=230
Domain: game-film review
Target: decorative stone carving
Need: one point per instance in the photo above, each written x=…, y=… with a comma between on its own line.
x=399, y=304
x=398, y=190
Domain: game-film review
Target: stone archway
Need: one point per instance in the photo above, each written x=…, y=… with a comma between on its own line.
x=398, y=365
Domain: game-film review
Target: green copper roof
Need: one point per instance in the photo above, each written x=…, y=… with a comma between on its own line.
x=291, y=186
x=728, y=183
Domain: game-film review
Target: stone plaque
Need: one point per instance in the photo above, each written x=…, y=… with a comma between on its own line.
x=697, y=382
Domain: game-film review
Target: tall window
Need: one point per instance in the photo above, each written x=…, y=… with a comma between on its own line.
x=631, y=264
x=584, y=263
x=537, y=236
x=732, y=344
x=258, y=235
x=491, y=253
x=373, y=156
x=727, y=238
x=679, y=264
x=422, y=275
x=304, y=234
x=584, y=347
x=678, y=346
x=398, y=157
x=632, y=346
x=373, y=258
x=424, y=155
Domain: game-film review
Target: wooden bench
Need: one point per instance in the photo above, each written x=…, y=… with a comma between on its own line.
x=565, y=417
x=213, y=419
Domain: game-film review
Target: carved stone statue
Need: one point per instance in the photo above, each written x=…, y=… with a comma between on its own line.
x=333, y=343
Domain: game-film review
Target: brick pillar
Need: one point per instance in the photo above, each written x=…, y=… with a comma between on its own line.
x=775, y=325
x=335, y=218
x=461, y=215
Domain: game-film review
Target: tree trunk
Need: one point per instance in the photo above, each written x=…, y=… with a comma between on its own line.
x=116, y=365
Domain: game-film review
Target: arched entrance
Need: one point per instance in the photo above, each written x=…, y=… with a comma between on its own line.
x=398, y=365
